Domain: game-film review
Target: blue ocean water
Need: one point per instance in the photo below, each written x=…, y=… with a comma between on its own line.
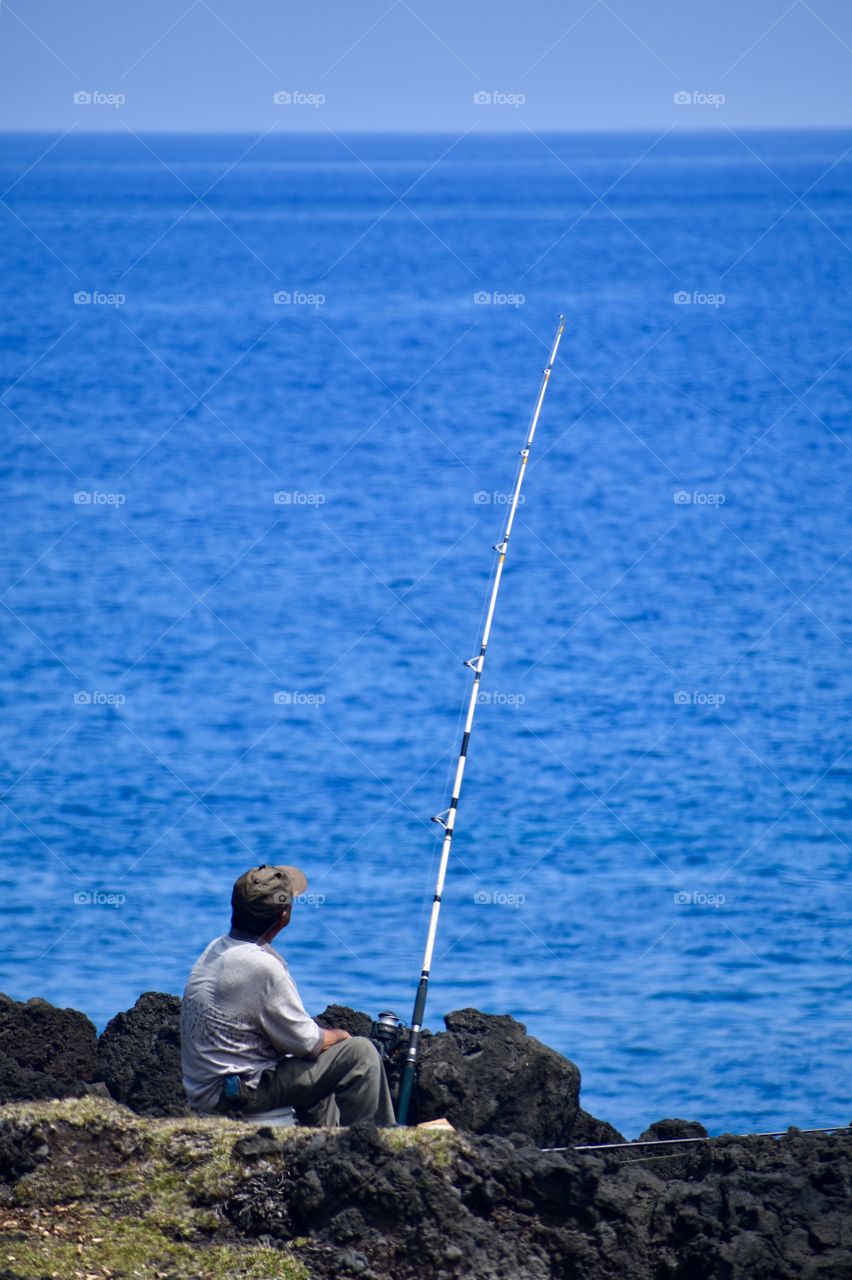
x=651, y=866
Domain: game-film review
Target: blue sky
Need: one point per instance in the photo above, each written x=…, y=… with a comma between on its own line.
x=418, y=64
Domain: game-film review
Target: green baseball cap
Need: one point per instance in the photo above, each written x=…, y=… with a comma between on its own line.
x=264, y=890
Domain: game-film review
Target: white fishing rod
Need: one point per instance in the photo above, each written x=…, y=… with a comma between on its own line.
x=447, y=819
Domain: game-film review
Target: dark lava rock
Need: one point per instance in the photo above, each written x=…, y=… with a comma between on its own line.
x=665, y=1130
x=396, y=1213
x=486, y=1075
x=31, y=1136
x=22, y=1149
x=338, y=1017
x=98, y=1090
x=482, y=1209
x=139, y=1056
x=587, y=1130
x=45, y=1052
x=255, y=1145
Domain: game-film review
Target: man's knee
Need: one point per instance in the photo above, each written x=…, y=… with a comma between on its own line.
x=360, y=1055
x=363, y=1051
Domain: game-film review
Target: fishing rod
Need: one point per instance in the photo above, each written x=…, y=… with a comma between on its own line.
x=675, y=1142
x=447, y=819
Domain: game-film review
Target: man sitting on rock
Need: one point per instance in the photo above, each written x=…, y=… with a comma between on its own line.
x=247, y=1043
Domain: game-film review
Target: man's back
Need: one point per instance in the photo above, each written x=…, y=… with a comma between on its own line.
x=240, y=1014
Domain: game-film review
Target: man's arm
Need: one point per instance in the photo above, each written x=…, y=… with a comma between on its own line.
x=283, y=1018
x=287, y=1023
x=333, y=1037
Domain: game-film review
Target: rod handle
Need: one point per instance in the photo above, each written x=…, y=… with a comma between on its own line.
x=407, y=1082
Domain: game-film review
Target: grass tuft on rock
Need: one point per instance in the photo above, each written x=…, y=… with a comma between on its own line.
x=114, y=1196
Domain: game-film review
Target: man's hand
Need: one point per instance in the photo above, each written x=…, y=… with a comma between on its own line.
x=333, y=1037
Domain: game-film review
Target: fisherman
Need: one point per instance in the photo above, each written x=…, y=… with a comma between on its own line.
x=247, y=1043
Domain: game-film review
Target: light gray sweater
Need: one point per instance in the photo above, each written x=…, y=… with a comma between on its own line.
x=240, y=1014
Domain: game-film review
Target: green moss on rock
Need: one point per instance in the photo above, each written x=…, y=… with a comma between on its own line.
x=113, y=1196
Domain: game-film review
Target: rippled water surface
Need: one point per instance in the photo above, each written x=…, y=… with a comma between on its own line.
x=651, y=865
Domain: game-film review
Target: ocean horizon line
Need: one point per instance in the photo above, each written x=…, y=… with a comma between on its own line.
x=705, y=131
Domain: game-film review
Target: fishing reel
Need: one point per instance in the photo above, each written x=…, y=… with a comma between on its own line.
x=387, y=1033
